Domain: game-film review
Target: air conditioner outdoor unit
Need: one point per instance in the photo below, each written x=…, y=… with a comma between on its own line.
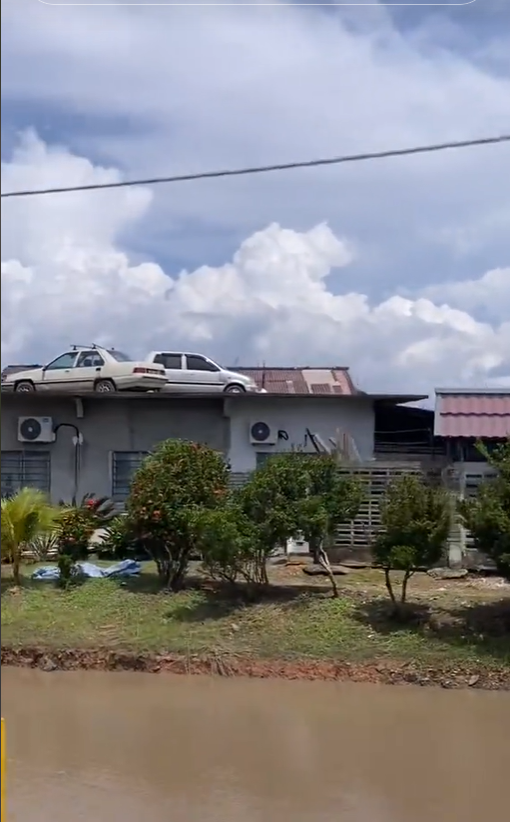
x=35, y=429
x=261, y=433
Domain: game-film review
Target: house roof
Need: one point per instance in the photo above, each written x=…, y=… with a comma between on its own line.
x=285, y=380
x=472, y=413
x=40, y=397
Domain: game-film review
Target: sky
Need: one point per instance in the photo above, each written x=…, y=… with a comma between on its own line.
x=397, y=268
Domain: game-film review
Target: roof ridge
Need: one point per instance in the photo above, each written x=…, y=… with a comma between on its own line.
x=292, y=367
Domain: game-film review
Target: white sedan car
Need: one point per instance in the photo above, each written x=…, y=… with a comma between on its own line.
x=196, y=373
x=91, y=368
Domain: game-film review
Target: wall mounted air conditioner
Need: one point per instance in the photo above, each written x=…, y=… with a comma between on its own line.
x=35, y=429
x=261, y=433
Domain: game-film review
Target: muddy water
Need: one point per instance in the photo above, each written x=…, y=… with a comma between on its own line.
x=131, y=747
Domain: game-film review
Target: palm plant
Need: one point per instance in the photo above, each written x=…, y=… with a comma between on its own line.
x=25, y=516
x=44, y=546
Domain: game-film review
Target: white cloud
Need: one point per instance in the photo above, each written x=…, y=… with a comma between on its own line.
x=67, y=275
x=174, y=90
x=491, y=293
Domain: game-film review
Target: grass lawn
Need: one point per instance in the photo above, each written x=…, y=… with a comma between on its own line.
x=465, y=622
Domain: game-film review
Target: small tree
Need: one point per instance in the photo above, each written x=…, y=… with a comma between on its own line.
x=332, y=498
x=230, y=545
x=25, y=516
x=297, y=493
x=169, y=489
x=415, y=520
x=271, y=500
x=487, y=516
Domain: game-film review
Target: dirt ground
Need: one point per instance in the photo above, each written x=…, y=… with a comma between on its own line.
x=422, y=587
x=456, y=632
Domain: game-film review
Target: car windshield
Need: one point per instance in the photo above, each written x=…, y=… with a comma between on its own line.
x=119, y=356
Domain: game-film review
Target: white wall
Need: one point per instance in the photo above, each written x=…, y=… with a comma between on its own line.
x=294, y=415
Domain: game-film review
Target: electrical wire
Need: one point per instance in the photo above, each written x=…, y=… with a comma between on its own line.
x=209, y=175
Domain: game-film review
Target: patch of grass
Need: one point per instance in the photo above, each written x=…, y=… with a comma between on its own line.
x=290, y=624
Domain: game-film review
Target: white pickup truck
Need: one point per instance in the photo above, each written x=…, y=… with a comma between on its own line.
x=196, y=373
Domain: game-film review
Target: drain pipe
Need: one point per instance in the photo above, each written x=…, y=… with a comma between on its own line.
x=77, y=442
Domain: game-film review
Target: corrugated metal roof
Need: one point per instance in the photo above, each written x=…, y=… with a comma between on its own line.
x=473, y=414
x=164, y=396
x=287, y=380
x=320, y=388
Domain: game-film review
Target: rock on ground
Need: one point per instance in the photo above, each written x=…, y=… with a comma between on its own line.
x=448, y=573
x=319, y=571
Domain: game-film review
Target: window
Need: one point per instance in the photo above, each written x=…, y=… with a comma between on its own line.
x=21, y=469
x=262, y=456
x=64, y=361
x=119, y=356
x=171, y=361
x=195, y=363
x=124, y=465
x=89, y=359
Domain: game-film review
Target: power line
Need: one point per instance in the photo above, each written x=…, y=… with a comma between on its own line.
x=238, y=172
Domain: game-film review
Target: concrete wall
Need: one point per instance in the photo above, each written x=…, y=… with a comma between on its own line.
x=131, y=424
x=294, y=415
x=107, y=425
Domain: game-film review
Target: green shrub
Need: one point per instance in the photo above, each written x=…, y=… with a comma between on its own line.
x=415, y=524
x=76, y=527
x=295, y=494
x=271, y=501
x=44, y=546
x=101, y=509
x=229, y=545
x=119, y=542
x=487, y=516
x=171, y=487
x=25, y=516
x=332, y=499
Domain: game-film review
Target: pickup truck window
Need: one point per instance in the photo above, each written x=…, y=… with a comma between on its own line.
x=170, y=361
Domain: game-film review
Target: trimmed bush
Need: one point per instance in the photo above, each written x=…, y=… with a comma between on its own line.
x=171, y=488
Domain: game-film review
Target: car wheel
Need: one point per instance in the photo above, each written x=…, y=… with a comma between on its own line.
x=24, y=387
x=104, y=386
x=235, y=388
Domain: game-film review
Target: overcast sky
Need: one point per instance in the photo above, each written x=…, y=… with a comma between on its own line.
x=399, y=268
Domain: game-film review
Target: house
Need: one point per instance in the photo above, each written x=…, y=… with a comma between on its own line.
x=462, y=419
x=67, y=444
x=406, y=433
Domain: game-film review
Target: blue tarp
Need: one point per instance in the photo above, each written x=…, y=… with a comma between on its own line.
x=126, y=568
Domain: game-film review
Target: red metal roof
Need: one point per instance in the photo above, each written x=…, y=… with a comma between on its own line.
x=473, y=414
x=302, y=380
